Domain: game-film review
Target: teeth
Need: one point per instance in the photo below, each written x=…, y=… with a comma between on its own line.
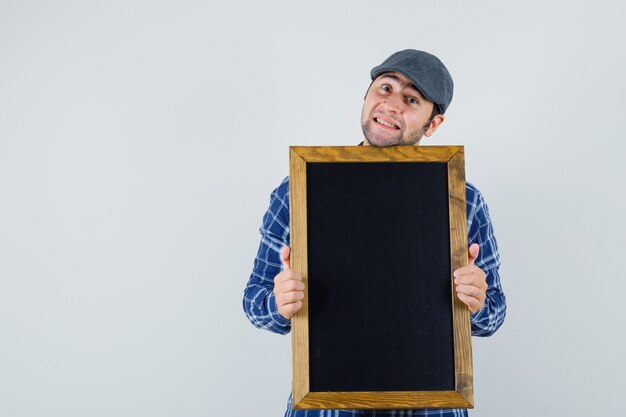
x=382, y=122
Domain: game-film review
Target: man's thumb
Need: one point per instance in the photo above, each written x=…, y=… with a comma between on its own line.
x=284, y=257
x=473, y=253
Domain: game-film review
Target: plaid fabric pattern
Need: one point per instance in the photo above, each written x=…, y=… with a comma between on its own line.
x=259, y=303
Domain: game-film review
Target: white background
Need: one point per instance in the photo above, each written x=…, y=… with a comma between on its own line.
x=139, y=142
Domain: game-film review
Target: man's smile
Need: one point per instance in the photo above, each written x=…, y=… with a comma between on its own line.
x=385, y=123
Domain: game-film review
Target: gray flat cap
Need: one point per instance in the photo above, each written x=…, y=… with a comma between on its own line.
x=425, y=70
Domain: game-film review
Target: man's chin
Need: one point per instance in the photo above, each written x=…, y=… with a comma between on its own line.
x=380, y=139
x=383, y=142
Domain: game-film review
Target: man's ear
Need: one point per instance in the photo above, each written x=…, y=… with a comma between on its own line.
x=434, y=124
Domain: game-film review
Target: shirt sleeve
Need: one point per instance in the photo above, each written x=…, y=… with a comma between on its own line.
x=259, y=302
x=486, y=321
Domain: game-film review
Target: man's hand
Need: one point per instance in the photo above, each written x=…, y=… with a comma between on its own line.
x=471, y=282
x=288, y=287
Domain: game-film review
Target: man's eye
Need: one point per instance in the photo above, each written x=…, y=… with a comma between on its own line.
x=385, y=87
x=412, y=100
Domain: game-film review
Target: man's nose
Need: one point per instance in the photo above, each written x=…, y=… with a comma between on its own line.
x=394, y=103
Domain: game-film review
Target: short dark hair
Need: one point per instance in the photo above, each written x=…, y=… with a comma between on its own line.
x=434, y=113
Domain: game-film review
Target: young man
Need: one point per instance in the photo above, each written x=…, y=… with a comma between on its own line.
x=407, y=99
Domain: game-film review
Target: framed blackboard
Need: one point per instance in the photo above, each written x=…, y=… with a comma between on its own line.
x=376, y=234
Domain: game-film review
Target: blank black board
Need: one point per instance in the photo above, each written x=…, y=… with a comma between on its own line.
x=380, y=315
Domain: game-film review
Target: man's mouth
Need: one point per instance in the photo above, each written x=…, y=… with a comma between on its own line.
x=386, y=123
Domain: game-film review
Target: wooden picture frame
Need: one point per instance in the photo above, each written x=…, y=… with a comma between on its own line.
x=459, y=394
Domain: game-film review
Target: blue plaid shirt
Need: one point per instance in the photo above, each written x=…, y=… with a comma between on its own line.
x=259, y=303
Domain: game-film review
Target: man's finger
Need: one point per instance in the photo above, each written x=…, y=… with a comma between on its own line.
x=466, y=270
x=285, y=258
x=286, y=276
x=291, y=309
x=473, y=253
x=293, y=285
x=291, y=297
x=290, y=284
x=472, y=303
x=470, y=290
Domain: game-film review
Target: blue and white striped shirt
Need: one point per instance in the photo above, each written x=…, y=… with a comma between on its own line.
x=259, y=303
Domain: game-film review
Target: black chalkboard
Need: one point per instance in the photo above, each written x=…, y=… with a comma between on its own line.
x=379, y=277
x=376, y=234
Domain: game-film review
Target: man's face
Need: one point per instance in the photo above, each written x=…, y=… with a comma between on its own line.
x=396, y=113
